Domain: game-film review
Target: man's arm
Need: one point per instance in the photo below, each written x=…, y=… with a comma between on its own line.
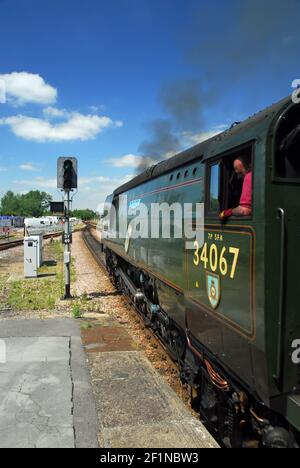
x=245, y=206
x=241, y=211
x=238, y=211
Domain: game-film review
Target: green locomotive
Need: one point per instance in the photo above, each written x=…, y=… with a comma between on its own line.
x=228, y=309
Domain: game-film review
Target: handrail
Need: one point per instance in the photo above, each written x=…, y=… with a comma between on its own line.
x=279, y=365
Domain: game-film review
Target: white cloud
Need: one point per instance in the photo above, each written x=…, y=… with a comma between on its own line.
x=187, y=138
x=37, y=182
x=101, y=108
x=28, y=167
x=3, y=169
x=76, y=127
x=190, y=138
x=92, y=191
x=129, y=160
x=24, y=87
x=83, y=181
x=94, y=108
x=86, y=183
x=55, y=112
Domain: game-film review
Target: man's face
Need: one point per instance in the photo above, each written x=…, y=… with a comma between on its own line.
x=239, y=169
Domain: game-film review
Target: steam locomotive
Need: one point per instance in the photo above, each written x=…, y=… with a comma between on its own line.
x=228, y=309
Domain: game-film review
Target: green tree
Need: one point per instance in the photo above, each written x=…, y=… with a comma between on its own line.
x=10, y=204
x=85, y=214
x=33, y=203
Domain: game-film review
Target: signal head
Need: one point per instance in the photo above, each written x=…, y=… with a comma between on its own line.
x=67, y=173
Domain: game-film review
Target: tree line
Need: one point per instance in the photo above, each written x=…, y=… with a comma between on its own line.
x=85, y=214
x=31, y=204
x=34, y=204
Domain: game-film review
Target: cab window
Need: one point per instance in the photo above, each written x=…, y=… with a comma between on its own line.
x=287, y=144
x=114, y=218
x=214, y=188
x=223, y=185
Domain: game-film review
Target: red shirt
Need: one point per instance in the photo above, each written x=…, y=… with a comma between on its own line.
x=246, y=196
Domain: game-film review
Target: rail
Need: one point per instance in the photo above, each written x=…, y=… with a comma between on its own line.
x=11, y=244
x=95, y=248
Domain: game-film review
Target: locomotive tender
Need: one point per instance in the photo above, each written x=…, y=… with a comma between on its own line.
x=228, y=310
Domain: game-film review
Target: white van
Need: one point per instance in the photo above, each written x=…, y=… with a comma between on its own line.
x=36, y=222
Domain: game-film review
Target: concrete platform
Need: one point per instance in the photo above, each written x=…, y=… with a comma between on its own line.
x=138, y=409
x=46, y=399
x=45, y=396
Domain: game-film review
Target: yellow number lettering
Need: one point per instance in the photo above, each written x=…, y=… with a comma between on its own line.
x=223, y=262
x=196, y=258
x=235, y=252
x=204, y=257
x=213, y=257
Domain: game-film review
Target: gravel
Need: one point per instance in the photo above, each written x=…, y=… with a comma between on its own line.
x=93, y=281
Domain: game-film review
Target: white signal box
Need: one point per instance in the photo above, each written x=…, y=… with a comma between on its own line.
x=32, y=256
x=39, y=238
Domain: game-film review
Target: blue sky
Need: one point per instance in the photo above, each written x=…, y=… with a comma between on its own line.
x=94, y=80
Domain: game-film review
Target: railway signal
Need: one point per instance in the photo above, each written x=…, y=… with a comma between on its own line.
x=57, y=208
x=67, y=182
x=67, y=173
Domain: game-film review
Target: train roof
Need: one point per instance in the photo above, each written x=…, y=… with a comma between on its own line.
x=201, y=150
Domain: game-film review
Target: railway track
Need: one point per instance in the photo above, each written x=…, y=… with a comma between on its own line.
x=17, y=243
x=94, y=247
x=186, y=393
x=10, y=244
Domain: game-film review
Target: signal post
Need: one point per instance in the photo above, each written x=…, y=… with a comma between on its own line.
x=67, y=245
x=67, y=182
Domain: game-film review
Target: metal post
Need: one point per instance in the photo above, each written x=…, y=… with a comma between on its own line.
x=67, y=246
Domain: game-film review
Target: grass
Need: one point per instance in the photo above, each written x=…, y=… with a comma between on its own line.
x=84, y=298
x=3, y=279
x=86, y=325
x=34, y=296
x=42, y=292
x=76, y=311
x=88, y=305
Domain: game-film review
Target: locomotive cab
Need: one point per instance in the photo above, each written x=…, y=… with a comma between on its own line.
x=227, y=308
x=251, y=327
x=282, y=272
x=287, y=146
x=224, y=187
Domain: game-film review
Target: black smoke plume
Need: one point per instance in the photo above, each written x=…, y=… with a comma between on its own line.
x=229, y=43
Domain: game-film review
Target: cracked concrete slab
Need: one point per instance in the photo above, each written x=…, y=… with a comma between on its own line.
x=36, y=401
x=138, y=409
x=37, y=349
x=31, y=328
x=45, y=395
